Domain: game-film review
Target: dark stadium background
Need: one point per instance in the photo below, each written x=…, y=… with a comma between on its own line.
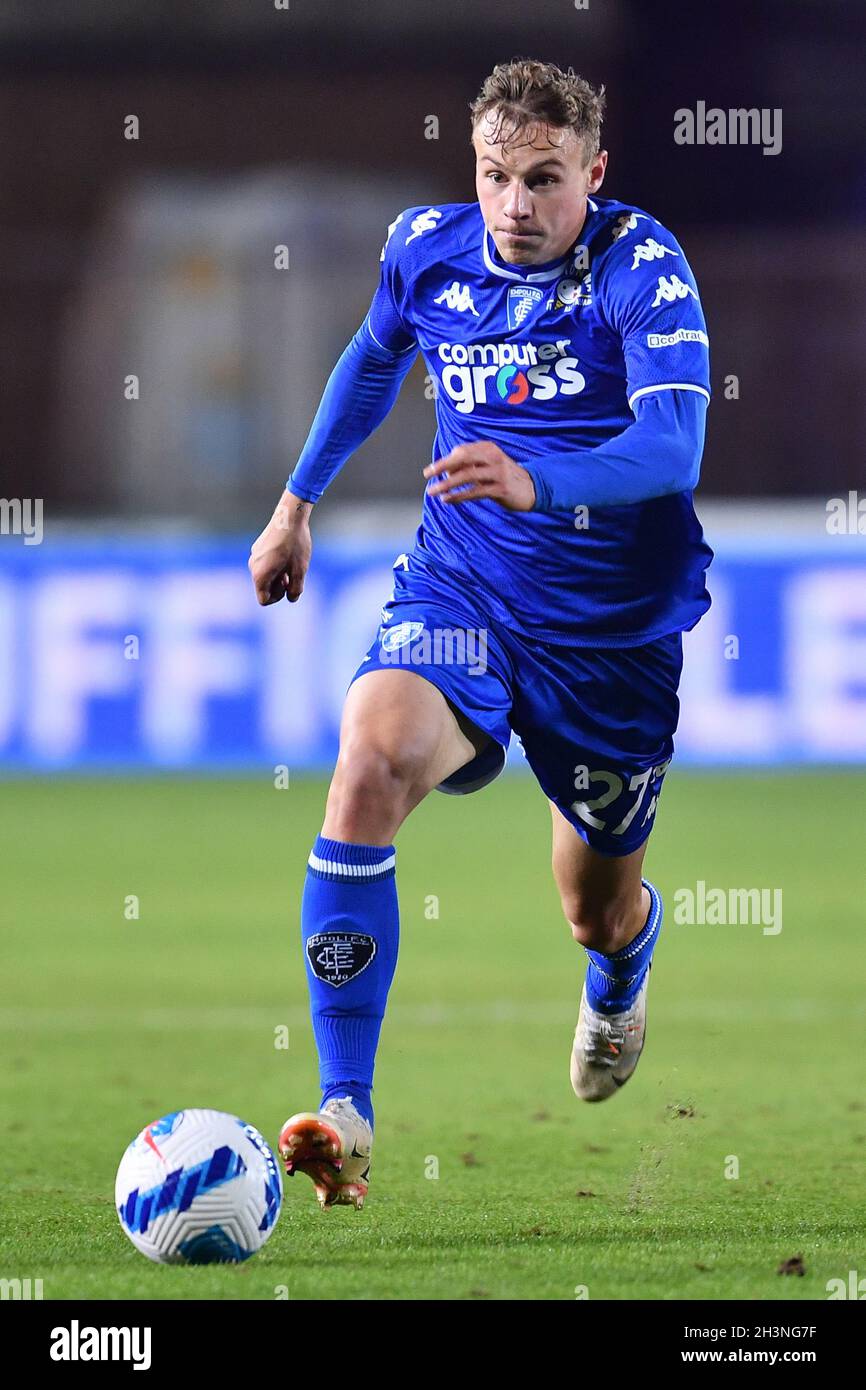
x=230, y=87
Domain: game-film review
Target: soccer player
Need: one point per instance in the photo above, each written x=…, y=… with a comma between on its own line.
x=558, y=552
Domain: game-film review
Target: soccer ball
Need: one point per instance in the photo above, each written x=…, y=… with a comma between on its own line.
x=198, y=1187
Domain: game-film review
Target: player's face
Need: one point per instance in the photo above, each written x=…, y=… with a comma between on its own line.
x=533, y=198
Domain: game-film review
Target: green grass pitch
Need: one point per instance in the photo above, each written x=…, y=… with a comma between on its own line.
x=754, y=1051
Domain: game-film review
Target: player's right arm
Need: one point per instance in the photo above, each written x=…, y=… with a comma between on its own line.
x=280, y=556
x=360, y=392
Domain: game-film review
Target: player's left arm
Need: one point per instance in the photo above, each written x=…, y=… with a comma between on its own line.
x=659, y=454
x=649, y=299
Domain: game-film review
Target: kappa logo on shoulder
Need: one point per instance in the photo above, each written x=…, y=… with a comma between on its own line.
x=423, y=222
x=392, y=227
x=627, y=223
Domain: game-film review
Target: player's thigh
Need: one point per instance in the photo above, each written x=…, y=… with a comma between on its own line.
x=397, y=721
x=428, y=698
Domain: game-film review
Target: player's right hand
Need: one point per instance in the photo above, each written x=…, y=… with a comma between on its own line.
x=280, y=556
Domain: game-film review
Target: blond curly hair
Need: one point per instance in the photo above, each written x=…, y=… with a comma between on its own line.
x=524, y=94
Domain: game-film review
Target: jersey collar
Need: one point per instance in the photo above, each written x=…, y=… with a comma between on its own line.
x=543, y=276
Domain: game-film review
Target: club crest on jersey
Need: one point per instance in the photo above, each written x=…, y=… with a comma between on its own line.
x=522, y=300
x=339, y=956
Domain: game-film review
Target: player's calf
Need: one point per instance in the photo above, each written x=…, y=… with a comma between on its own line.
x=605, y=923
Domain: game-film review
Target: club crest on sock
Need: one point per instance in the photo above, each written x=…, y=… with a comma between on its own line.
x=337, y=957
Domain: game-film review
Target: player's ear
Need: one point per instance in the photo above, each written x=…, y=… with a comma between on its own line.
x=597, y=168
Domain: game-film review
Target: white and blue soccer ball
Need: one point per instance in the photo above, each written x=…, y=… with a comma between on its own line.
x=198, y=1187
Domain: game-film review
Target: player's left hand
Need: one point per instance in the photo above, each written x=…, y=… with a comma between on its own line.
x=487, y=471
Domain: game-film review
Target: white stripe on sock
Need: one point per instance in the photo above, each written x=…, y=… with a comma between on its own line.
x=333, y=866
x=652, y=921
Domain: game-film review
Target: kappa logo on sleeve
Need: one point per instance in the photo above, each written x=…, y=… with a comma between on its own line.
x=671, y=289
x=650, y=250
x=337, y=957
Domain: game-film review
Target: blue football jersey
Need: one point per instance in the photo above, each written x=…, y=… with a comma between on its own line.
x=544, y=360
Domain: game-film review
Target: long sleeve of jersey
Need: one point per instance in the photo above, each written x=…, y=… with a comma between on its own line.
x=659, y=454
x=359, y=393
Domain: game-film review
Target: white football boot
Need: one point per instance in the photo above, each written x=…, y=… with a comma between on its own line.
x=332, y=1146
x=606, y=1047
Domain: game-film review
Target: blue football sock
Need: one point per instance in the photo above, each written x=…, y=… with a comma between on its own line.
x=613, y=982
x=350, y=931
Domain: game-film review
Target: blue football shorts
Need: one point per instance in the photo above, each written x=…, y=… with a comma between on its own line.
x=595, y=725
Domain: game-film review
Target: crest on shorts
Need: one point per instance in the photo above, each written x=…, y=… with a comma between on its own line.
x=400, y=634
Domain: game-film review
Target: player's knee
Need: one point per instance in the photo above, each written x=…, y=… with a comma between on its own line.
x=370, y=774
x=596, y=923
